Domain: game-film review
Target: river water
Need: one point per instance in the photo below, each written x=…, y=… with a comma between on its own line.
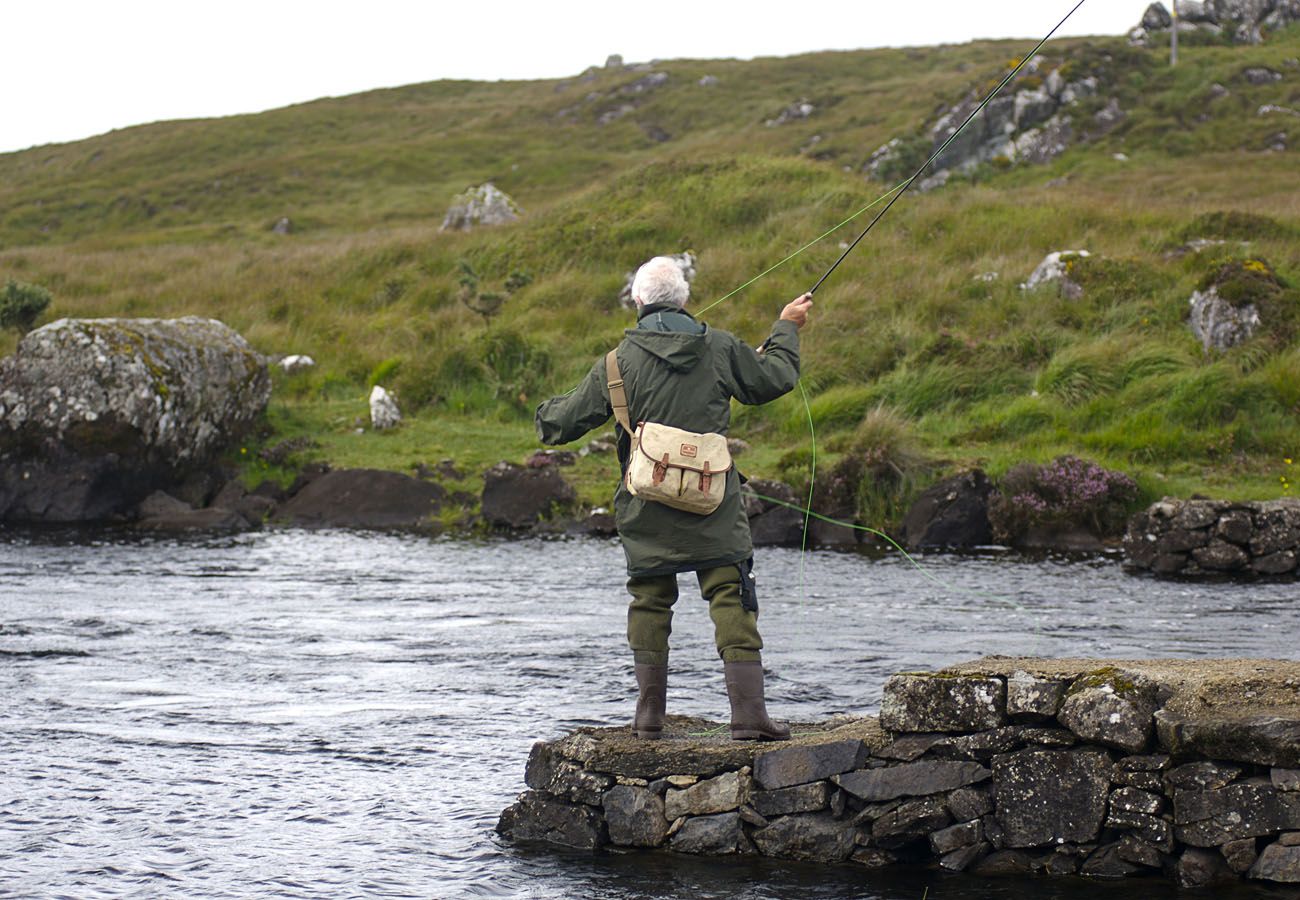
x=337, y=714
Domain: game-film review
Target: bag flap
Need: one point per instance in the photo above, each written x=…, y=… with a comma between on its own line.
x=685, y=449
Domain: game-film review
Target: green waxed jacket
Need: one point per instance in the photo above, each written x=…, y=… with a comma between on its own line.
x=681, y=373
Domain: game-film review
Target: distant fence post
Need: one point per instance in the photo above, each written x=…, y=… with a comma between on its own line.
x=1173, y=37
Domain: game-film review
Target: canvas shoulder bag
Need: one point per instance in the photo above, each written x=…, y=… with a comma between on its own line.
x=677, y=468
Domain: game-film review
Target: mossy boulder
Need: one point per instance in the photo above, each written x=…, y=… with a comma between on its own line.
x=97, y=413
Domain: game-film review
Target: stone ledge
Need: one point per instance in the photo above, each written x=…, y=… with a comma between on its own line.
x=1103, y=768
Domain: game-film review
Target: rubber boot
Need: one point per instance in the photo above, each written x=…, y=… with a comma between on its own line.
x=653, y=682
x=749, y=721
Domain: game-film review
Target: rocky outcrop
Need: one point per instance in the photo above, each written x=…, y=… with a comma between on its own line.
x=95, y=414
x=1099, y=768
x=1219, y=324
x=363, y=498
x=952, y=513
x=1033, y=125
x=519, y=497
x=1055, y=269
x=484, y=205
x=799, y=109
x=1215, y=537
x=1244, y=21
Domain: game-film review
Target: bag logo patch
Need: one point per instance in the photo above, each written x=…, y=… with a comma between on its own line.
x=690, y=450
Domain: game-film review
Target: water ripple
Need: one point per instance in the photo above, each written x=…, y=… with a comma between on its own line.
x=323, y=714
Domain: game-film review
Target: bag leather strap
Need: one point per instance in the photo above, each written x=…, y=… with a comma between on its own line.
x=617, y=396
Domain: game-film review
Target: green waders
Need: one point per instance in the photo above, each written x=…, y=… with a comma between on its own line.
x=650, y=616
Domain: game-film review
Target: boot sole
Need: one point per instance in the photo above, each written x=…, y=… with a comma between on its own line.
x=747, y=735
x=647, y=735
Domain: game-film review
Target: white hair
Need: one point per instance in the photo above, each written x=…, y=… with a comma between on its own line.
x=660, y=281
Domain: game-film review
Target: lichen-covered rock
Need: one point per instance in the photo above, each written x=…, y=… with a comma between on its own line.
x=1245, y=21
x=799, y=798
x=551, y=773
x=1133, y=800
x=482, y=205
x=1112, y=708
x=97, y=413
x=800, y=765
x=1155, y=830
x=1203, y=775
x=1270, y=739
x=714, y=795
x=1051, y=796
x=816, y=837
x=1221, y=556
x=914, y=779
x=1036, y=697
x=539, y=817
x=969, y=803
x=1248, y=809
x=1055, y=269
x=384, y=413
x=925, y=702
x=719, y=835
x=909, y=822
x=635, y=816
x=1219, y=324
x=1134, y=849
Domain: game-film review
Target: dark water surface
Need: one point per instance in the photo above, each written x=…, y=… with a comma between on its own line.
x=293, y=714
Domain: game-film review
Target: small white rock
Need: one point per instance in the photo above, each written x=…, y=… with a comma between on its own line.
x=383, y=409
x=298, y=362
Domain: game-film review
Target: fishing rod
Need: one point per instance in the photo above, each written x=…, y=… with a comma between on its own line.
x=936, y=154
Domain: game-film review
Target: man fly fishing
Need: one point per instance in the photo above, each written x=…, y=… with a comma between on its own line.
x=669, y=384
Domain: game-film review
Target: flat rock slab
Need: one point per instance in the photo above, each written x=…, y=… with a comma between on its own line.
x=943, y=701
x=1266, y=739
x=913, y=779
x=789, y=766
x=692, y=746
x=1192, y=687
x=1244, y=710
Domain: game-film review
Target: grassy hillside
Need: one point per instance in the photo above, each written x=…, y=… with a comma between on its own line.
x=945, y=369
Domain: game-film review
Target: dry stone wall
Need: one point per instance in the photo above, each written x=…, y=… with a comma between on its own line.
x=1198, y=537
x=1184, y=769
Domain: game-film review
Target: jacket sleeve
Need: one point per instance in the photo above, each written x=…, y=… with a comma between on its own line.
x=761, y=377
x=568, y=417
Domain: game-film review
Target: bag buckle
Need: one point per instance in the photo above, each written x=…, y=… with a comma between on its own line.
x=706, y=478
x=661, y=470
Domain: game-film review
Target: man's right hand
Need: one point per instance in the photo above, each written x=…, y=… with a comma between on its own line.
x=796, y=310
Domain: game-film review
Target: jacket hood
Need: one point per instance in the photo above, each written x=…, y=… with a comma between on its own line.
x=682, y=352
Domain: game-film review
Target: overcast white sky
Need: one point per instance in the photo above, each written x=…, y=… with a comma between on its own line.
x=75, y=68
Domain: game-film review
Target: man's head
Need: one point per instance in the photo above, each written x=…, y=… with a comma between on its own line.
x=660, y=281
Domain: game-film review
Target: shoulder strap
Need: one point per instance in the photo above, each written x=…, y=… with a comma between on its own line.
x=617, y=396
